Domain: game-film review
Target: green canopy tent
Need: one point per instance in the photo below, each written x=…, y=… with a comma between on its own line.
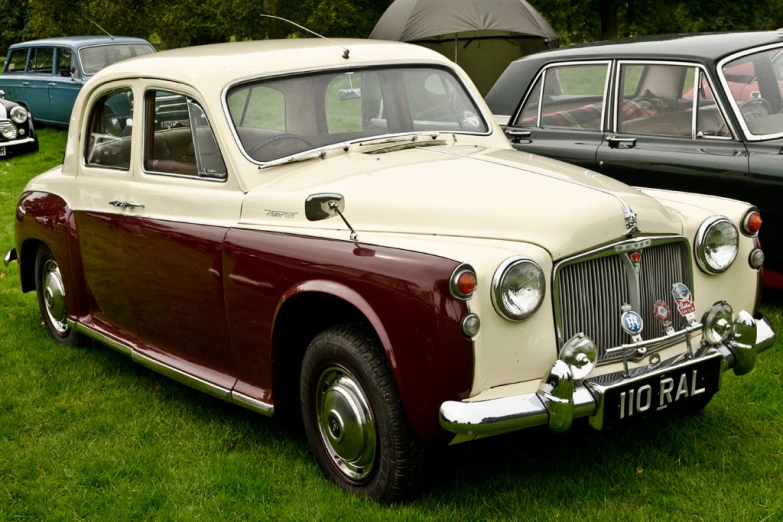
x=482, y=36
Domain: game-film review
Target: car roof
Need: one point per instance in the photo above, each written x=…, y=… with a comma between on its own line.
x=704, y=48
x=79, y=41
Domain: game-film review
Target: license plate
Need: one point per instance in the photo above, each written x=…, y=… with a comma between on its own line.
x=661, y=392
x=2, y=151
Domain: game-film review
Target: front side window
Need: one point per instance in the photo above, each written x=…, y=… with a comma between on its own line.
x=179, y=139
x=573, y=98
x=108, y=142
x=65, y=65
x=755, y=85
x=710, y=121
x=96, y=58
x=41, y=60
x=656, y=100
x=280, y=117
x=17, y=61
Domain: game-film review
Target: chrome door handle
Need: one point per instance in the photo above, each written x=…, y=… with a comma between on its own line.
x=52, y=84
x=126, y=204
x=616, y=141
x=25, y=83
x=518, y=133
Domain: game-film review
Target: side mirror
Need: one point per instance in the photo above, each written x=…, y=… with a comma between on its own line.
x=322, y=206
x=66, y=73
x=2, y=95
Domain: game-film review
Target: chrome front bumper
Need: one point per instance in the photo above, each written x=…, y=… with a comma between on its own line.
x=14, y=143
x=10, y=257
x=559, y=400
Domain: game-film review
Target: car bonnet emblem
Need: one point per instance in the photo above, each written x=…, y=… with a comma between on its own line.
x=632, y=323
x=664, y=316
x=685, y=306
x=636, y=260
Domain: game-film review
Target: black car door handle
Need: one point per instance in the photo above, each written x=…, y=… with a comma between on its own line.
x=616, y=142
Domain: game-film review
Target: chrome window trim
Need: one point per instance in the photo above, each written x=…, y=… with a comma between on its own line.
x=98, y=97
x=540, y=75
x=479, y=102
x=727, y=90
x=700, y=67
x=695, y=104
x=107, y=44
x=188, y=99
x=610, y=250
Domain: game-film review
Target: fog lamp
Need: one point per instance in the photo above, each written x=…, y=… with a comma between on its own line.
x=9, y=132
x=581, y=354
x=718, y=323
x=471, y=325
x=756, y=258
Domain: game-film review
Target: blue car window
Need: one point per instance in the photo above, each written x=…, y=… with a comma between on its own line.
x=43, y=61
x=17, y=61
x=64, y=61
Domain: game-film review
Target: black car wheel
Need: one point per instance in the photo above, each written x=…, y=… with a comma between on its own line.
x=51, y=297
x=353, y=416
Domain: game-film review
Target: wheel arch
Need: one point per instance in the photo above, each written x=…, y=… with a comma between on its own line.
x=27, y=263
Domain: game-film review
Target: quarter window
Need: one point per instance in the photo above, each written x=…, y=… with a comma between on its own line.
x=17, y=61
x=179, y=139
x=573, y=98
x=710, y=122
x=660, y=102
x=109, y=136
x=41, y=60
x=65, y=65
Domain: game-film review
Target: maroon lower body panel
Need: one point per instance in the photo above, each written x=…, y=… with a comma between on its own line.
x=404, y=295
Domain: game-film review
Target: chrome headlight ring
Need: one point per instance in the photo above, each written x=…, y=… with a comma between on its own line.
x=9, y=131
x=716, y=245
x=19, y=114
x=518, y=288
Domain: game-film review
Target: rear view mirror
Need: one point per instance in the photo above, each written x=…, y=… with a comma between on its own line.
x=349, y=94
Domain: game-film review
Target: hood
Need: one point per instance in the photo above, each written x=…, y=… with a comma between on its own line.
x=462, y=191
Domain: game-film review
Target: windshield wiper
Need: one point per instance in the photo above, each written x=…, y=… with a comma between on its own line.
x=409, y=136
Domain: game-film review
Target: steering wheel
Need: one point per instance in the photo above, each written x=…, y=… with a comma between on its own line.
x=275, y=139
x=756, y=101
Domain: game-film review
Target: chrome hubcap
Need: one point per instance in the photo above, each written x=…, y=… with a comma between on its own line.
x=54, y=296
x=345, y=423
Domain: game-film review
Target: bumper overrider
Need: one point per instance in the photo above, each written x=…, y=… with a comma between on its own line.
x=10, y=257
x=608, y=400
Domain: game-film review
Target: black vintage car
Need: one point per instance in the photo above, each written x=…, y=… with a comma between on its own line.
x=17, y=134
x=700, y=113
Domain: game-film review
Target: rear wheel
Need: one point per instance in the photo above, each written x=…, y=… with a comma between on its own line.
x=353, y=416
x=51, y=297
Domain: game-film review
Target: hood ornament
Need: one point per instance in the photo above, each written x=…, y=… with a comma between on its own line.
x=631, y=222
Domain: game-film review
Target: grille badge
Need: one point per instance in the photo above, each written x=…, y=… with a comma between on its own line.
x=632, y=323
x=664, y=316
x=685, y=306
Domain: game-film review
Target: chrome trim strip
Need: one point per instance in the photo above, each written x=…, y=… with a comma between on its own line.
x=96, y=336
x=695, y=109
x=252, y=404
x=10, y=257
x=17, y=142
x=669, y=339
x=480, y=105
x=727, y=91
x=699, y=66
x=628, y=213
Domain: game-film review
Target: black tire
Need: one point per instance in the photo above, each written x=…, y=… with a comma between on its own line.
x=59, y=330
x=351, y=352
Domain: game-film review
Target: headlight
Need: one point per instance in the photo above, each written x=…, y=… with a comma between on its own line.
x=9, y=132
x=19, y=114
x=518, y=288
x=718, y=322
x=716, y=245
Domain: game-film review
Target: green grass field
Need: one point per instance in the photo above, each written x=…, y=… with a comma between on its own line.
x=87, y=434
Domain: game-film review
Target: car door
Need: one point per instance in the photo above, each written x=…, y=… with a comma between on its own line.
x=563, y=112
x=99, y=206
x=13, y=81
x=668, y=131
x=65, y=86
x=40, y=76
x=174, y=242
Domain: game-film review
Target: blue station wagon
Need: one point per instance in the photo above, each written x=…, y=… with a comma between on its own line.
x=45, y=75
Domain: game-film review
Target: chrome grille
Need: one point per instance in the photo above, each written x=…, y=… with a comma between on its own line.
x=590, y=290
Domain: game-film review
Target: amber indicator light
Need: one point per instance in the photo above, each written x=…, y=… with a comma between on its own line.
x=753, y=223
x=466, y=283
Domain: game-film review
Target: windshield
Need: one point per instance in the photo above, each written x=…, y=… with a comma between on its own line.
x=96, y=58
x=280, y=117
x=755, y=83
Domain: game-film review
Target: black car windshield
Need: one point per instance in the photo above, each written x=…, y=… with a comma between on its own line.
x=96, y=58
x=755, y=82
x=279, y=117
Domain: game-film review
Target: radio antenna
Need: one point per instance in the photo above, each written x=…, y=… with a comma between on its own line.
x=346, y=51
x=98, y=26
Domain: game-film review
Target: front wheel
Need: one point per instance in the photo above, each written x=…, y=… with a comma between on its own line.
x=353, y=416
x=51, y=297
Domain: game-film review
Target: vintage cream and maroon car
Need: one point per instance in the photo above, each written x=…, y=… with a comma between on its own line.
x=347, y=232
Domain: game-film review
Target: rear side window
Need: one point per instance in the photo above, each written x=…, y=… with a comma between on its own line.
x=572, y=98
x=17, y=61
x=65, y=65
x=179, y=139
x=41, y=60
x=108, y=141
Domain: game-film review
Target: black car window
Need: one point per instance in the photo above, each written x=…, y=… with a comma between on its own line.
x=178, y=138
x=573, y=98
x=710, y=121
x=660, y=103
x=108, y=141
x=17, y=61
x=65, y=65
x=41, y=60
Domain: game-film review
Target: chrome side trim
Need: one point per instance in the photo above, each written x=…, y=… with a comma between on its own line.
x=10, y=257
x=92, y=334
x=252, y=404
x=180, y=376
x=480, y=105
x=628, y=213
x=727, y=91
